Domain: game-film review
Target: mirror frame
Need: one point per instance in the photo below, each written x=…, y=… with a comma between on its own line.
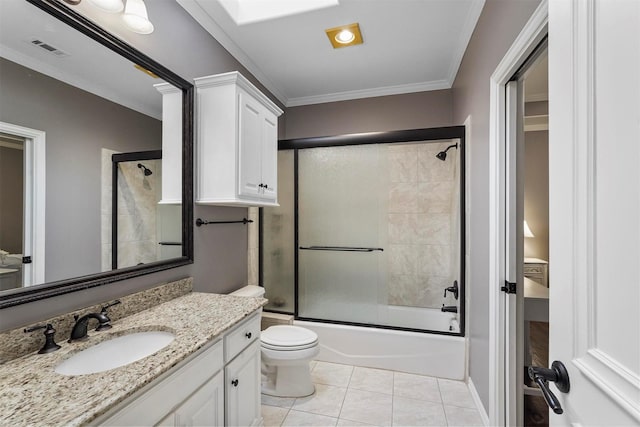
x=97, y=33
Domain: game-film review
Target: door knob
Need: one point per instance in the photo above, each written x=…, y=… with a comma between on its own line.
x=558, y=374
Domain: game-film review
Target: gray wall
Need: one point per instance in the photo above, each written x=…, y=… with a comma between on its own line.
x=11, y=199
x=500, y=23
x=536, y=193
x=77, y=125
x=397, y=112
x=181, y=45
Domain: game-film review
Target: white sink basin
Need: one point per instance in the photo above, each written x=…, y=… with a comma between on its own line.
x=115, y=352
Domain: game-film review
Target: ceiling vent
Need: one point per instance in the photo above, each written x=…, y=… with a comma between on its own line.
x=48, y=48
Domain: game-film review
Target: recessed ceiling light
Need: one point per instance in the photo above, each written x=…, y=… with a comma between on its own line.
x=345, y=35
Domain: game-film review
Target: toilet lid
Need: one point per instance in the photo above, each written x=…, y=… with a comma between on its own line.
x=287, y=336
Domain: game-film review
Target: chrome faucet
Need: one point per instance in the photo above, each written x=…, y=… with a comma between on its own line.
x=79, y=331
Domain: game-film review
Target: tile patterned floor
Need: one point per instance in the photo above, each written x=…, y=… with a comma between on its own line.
x=355, y=396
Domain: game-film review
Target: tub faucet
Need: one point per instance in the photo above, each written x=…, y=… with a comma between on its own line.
x=449, y=308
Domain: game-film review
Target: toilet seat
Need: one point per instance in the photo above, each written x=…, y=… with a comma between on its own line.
x=288, y=338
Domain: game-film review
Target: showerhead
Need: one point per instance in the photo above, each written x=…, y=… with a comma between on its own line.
x=443, y=154
x=146, y=170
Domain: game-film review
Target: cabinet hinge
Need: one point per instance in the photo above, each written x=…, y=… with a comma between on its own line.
x=509, y=287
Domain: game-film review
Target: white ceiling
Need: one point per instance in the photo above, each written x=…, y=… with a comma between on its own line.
x=409, y=46
x=87, y=65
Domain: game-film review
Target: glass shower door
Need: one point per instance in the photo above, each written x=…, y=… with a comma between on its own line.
x=342, y=234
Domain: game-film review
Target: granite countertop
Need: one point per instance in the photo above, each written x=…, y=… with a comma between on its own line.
x=33, y=394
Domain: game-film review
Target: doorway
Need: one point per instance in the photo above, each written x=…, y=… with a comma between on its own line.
x=532, y=176
x=22, y=209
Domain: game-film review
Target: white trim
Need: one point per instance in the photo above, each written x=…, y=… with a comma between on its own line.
x=614, y=379
x=476, y=399
x=76, y=81
x=463, y=41
x=34, y=200
x=368, y=93
x=203, y=18
x=468, y=288
x=525, y=43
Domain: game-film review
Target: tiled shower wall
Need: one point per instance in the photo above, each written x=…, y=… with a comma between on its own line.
x=138, y=197
x=422, y=209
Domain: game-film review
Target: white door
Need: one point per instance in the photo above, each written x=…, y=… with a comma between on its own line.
x=594, y=168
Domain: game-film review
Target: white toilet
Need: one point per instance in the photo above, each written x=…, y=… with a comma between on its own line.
x=286, y=352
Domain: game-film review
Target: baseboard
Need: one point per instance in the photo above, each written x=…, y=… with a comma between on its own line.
x=478, y=402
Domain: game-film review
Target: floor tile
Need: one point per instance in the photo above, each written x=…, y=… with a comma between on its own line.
x=466, y=417
x=283, y=402
x=416, y=387
x=327, y=400
x=367, y=407
x=299, y=418
x=369, y=379
x=412, y=412
x=348, y=423
x=273, y=416
x=455, y=393
x=331, y=374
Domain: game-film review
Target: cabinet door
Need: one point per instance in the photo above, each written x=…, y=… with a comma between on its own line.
x=269, y=156
x=249, y=146
x=204, y=408
x=242, y=389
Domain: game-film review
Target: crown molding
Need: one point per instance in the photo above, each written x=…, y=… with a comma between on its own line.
x=463, y=42
x=369, y=93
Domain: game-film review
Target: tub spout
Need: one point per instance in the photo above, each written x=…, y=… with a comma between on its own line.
x=449, y=308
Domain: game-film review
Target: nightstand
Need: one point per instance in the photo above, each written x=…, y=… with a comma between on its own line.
x=537, y=269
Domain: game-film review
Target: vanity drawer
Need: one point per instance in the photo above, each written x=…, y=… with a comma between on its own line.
x=241, y=336
x=532, y=269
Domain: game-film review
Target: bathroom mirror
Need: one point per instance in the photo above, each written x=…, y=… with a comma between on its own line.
x=76, y=103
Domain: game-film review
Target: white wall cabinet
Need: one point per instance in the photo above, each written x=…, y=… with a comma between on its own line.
x=237, y=142
x=217, y=386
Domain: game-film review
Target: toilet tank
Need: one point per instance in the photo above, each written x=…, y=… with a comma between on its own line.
x=249, y=291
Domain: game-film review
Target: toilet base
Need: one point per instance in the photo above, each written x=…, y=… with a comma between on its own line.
x=287, y=381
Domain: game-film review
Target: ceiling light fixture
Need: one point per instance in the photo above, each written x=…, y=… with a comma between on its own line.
x=136, y=18
x=345, y=35
x=111, y=6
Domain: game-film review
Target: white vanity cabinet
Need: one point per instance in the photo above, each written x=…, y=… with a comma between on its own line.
x=237, y=142
x=204, y=408
x=242, y=391
x=217, y=386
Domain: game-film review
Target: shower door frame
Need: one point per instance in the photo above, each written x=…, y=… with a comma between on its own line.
x=388, y=137
x=116, y=159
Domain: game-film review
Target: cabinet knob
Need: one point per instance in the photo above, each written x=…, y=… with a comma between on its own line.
x=248, y=335
x=266, y=186
x=261, y=185
x=235, y=382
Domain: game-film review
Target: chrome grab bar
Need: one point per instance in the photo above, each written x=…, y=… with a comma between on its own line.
x=340, y=248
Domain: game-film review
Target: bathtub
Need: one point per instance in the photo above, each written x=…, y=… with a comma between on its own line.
x=440, y=356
